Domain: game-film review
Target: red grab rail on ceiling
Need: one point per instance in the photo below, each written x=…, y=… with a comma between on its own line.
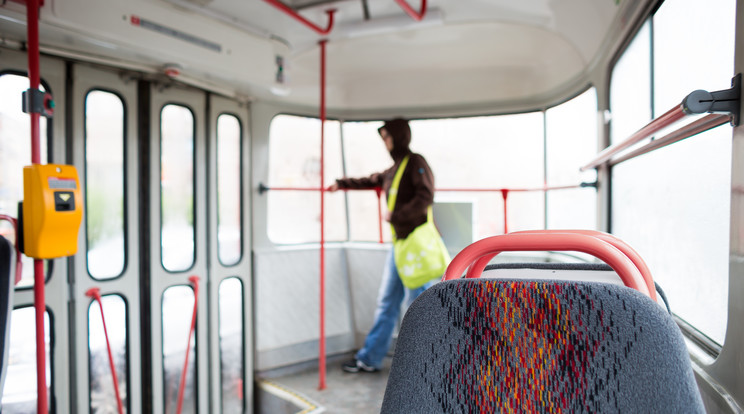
x=289, y=11
x=418, y=16
x=547, y=240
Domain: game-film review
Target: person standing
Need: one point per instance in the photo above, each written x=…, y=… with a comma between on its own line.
x=415, y=193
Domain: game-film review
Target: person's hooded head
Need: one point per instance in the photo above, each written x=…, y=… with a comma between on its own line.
x=400, y=133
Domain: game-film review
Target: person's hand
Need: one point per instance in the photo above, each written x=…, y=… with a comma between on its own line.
x=387, y=216
x=333, y=187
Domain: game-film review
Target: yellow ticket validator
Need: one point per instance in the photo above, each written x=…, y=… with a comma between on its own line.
x=52, y=210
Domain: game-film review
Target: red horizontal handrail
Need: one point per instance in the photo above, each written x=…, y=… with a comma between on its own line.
x=670, y=117
x=547, y=241
x=467, y=190
x=476, y=269
x=289, y=11
x=418, y=16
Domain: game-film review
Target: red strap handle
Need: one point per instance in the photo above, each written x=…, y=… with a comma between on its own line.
x=95, y=293
x=182, y=386
x=19, y=262
x=477, y=268
x=546, y=240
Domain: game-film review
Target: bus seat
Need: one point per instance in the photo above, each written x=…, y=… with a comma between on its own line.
x=7, y=284
x=496, y=345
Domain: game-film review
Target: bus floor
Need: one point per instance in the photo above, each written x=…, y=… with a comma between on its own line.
x=345, y=392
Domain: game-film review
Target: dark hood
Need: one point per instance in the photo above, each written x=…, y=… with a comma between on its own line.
x=401, y=134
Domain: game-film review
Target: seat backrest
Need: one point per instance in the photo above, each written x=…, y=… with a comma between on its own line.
x=494, y=345
x=7, y=284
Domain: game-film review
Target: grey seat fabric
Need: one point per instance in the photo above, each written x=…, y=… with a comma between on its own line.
x=7, y=284
x=495, y=345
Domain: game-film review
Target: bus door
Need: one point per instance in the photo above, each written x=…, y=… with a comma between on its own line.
x=105, y=153
x=15, y=152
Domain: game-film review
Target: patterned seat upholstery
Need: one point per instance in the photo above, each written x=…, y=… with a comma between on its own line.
x=495, y=345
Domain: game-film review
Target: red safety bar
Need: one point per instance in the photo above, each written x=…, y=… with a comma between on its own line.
x=475, y=270
x=95, y=293
x=289, y=11
x=19, y=261
x=322, y=344
x=418, y=16
x=34, y=76
x=544, y=241
x=670, y=117
x=182, y=385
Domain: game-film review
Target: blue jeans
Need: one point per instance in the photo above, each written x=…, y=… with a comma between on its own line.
x=389, y=299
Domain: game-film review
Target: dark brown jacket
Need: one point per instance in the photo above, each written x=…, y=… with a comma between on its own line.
x=415, y=192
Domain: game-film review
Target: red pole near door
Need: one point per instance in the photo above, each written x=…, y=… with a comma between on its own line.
x=321, y=358
x=32, y=24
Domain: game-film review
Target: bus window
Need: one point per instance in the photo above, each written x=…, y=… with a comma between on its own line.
x=178, y=304
x=491, y=152
x=104, y=184
x=571, y=139
x=19, y=394
x=294, y=161
x=102, y=394
x=673, y=205
x=365, y=153
x=630, y=89
x=231, y=344
x=229, y=202
x=177, y=187
x=15, y=153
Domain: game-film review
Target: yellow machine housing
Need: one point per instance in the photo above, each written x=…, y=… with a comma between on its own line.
x=52, y=210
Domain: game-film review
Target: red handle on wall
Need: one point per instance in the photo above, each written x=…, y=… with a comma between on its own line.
x=479, y=265
x=549, y=240
x=19, y=263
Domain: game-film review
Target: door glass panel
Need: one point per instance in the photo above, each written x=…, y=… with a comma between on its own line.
x=19, y=394
x=178, y=306
x=102, y=393
x=177, y=187
x=229, y=205
x=231, y=344
x=104, y=184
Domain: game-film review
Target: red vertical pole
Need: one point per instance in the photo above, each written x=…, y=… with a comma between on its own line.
x=321, y=358
x=378, y=190
x=32, y=24
x=505, y=195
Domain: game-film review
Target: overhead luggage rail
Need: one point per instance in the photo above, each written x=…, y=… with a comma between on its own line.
x=697, y=102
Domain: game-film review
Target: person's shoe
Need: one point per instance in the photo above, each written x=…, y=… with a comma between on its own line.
x=356, y=365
